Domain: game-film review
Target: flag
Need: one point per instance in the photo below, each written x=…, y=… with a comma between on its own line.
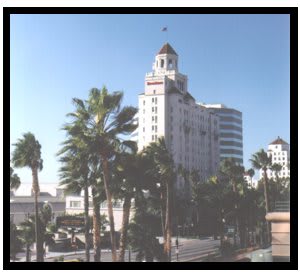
x=164, y=29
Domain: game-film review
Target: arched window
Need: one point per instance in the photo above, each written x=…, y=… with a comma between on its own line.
x=162, y=63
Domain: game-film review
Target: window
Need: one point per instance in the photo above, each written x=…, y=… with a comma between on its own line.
x=152, y=127
x=156, y=110
x=156, y=100
x=170, y=64
x=162, y=63
x=143, y=129
x=155, y=128
x=156, y=119
x=75, y=204
x=152, y=137
x=155, y=137
x=144, y=102
x=152, y=109
x=152, y=99
x=154, y=91
x=171, y=109
x=153, y=118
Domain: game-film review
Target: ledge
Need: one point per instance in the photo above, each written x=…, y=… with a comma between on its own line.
x=278, y=217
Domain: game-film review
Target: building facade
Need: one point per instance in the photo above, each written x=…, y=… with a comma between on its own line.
x=167, y=109
x=279, y=151
x=231, y=131
x=23, y=206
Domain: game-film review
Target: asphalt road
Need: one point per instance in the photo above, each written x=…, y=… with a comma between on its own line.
x=188, y=249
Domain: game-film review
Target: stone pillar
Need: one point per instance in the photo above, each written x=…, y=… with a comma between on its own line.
x=280, y=229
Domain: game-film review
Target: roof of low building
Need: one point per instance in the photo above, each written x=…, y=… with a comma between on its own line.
x=167, y=49
x=279, y=140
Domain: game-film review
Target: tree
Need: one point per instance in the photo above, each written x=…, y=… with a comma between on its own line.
x=15, y=241
x=129, y=167
x=164, y=166
x=14, y=180
x=260, y=160
x=234, y=173
x=27, y=153
x=107, y=122
x=251, y=173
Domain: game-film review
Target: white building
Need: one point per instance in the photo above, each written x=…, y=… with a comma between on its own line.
x=167, y=109
x=75, y=205
x=279, y=151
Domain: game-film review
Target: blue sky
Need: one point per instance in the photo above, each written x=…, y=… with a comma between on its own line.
x=241, y=61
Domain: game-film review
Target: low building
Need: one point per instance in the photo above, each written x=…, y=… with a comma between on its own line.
x=23, y=206
x=75, y=205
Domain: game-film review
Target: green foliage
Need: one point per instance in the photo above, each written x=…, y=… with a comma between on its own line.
x=16, y=243
x=14, y=180
x=27, y=152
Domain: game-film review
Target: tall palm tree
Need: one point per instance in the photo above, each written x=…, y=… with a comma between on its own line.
x=14, y=180
x=261, y=160
x=164, y=166
x=106, y=122
x=27, y=153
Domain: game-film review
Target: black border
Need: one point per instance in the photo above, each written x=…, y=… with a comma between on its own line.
x=292, y=11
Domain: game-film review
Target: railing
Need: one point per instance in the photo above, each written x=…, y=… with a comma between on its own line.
x=282, y=206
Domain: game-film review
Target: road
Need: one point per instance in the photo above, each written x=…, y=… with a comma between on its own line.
x=188, y=249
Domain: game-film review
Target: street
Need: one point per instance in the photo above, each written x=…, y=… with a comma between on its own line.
x=188, y=249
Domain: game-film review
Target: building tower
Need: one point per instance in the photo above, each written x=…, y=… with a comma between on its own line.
x=167, y=109
x=231, y=131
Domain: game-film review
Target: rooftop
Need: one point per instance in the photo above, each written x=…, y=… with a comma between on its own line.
x=279, y=141
x=167, y=49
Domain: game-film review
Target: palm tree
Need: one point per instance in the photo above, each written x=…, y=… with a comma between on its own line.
x=14, y=180
x=27, y=229
x=164, y=166
x=276, y=167
x=74, y=178
x=107, y=121
x=128, y=171
x=251, y=173
x=234, y=172
x=27, y=153
x=16, y=243
x=261, y=160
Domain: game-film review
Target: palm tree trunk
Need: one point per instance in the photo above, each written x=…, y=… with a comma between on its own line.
x=27, y=252
x=266, y=193
x=87, y=223
x=36, y=190
x=110, y=210
x=168, y=229
x=125, y=222
x=96, y=228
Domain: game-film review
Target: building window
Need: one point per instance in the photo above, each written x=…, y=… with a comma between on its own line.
x=152, y=137
x=171, y=109
x=143, y=129
x=155, y=128
x=144, y=102
x=162, y=63
x=152, y=127
x=75, y=204
x=155, y=137
x=156, y=119
x=152, y=109
x=152, y=99
x=154, y=91
x=156, y=100
x=156, y=110
x=153, y=118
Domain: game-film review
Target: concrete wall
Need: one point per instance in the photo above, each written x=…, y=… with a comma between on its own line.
x=280, y=229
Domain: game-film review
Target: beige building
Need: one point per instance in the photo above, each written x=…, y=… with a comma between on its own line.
x=167, y=109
